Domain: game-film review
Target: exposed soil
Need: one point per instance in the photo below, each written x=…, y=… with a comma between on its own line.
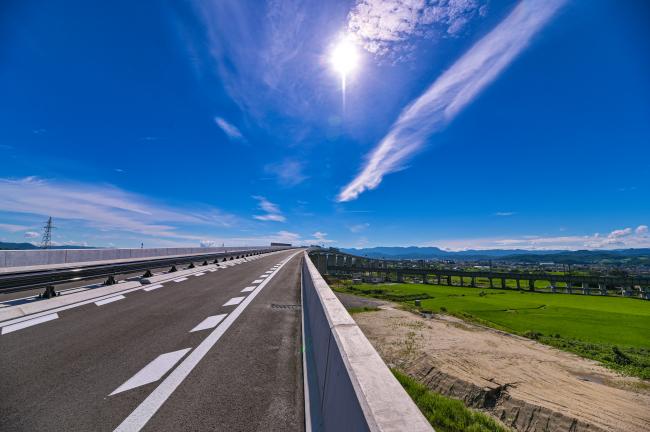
x=527, y=385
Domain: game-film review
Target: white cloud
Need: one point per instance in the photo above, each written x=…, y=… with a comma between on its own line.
x=12, y=227
x=31, y=234
x=229, y=129
x=616, y=239
x=289, y=172
x=451, y=92
x=358, y=227
x=273, y=212
x=504, y=213
x=319, y=235
x=104, y=208
x=386, y=26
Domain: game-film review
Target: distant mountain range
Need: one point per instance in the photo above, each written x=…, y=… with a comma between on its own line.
x=628, y=256
x=29, y=246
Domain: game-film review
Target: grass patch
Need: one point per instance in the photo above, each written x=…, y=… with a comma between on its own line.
x=355, y=310
x=611, y=330
x=446, y=414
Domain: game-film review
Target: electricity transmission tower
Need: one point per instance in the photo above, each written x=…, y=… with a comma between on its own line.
x=46, y=242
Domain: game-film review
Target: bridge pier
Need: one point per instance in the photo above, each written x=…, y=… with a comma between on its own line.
x=503, y=282
x=425, y=278
x=585, y=288
x=473, y=282
x=518, y=283
x=461, y=281
x=531, y=284
x=568, y=288
x=491, y=282
x=437, y=279
x=449, y=281
x=602, y=288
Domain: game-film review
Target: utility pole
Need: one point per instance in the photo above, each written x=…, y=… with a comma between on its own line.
x=46, y=242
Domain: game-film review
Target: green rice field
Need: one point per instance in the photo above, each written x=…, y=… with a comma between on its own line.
x=612, y=330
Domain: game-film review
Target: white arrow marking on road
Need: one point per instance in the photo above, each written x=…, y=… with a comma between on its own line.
x=234, y=301
x=153, y=371
x=209, y=322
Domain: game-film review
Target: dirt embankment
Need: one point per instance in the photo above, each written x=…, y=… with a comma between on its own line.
x=529, y=386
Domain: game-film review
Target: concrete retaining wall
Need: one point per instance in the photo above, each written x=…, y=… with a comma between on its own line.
x=349, y=386
x=20, y=258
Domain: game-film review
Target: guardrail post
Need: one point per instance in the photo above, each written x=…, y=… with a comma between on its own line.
x=205, y=263
x=173, y=269
x=110, y=281
x=191, y=266
x=147, y=274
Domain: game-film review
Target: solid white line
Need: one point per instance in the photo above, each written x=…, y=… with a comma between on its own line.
x=153, y=371
x=248, y=289
x=234, y=301
x=143, y=413
x=152, y=287
x=110, y=300
x=209, y=322
x=180, y=279
x=25, y=324
x=198, y=274
x=256, y=281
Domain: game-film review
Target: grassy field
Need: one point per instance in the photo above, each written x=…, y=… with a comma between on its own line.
x=612, y=330
x=446, y=414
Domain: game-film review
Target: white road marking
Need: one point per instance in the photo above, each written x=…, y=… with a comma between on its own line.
x=180, y=279
x=110, y=300
x=152, y=287
x=262, y=276
x=268, y=272
x=29, y=323
x=248, y=289
x=153, y=371
x=256, y=281
x=199, y=274
x=143, y=413
x=209, y=322
x=234, y=301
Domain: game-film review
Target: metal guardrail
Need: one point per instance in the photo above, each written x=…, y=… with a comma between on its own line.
x=33, y=279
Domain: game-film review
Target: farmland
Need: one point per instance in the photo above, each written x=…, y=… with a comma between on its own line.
x=611, y=330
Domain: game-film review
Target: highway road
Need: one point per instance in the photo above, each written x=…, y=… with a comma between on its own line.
x=217, y=351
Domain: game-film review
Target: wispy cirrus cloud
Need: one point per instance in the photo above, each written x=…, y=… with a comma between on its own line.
x=229, y=129
x=105, y=208
x=31, y=234
x=504, y=213
x=388, y=26
x=451, y=92
x=272, y=211
x=289, y=172
x=12, y=227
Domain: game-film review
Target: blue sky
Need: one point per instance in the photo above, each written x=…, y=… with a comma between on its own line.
x=466, y=123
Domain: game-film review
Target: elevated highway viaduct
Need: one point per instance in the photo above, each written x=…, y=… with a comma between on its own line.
x=336, y=263
x=254, y=343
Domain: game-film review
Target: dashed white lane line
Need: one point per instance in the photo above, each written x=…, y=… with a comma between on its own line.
x=110, y=300
x=262, y=276
x=199, y=274
x=143, y=413
x=28, y=323
x=180, y=279
x=248, y=289
x=234, y=301
x=209, y=322
x=268, y=272
x=152, y=287
x=153, y=371
x=256, y=281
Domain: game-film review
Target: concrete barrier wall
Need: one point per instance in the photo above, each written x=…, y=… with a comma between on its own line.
x=24, y=258
x=349, y=386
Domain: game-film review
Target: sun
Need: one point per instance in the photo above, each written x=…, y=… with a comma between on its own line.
x=344, y=57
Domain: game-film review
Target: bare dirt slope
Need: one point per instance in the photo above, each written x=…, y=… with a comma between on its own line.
x=529, y=386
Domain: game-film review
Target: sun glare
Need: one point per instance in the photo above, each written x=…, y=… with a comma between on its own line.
x=345, y=57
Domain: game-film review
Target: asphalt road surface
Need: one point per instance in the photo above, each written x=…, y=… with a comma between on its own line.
x=219, y=351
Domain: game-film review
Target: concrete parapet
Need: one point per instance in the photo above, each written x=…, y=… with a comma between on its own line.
x=349, y=388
